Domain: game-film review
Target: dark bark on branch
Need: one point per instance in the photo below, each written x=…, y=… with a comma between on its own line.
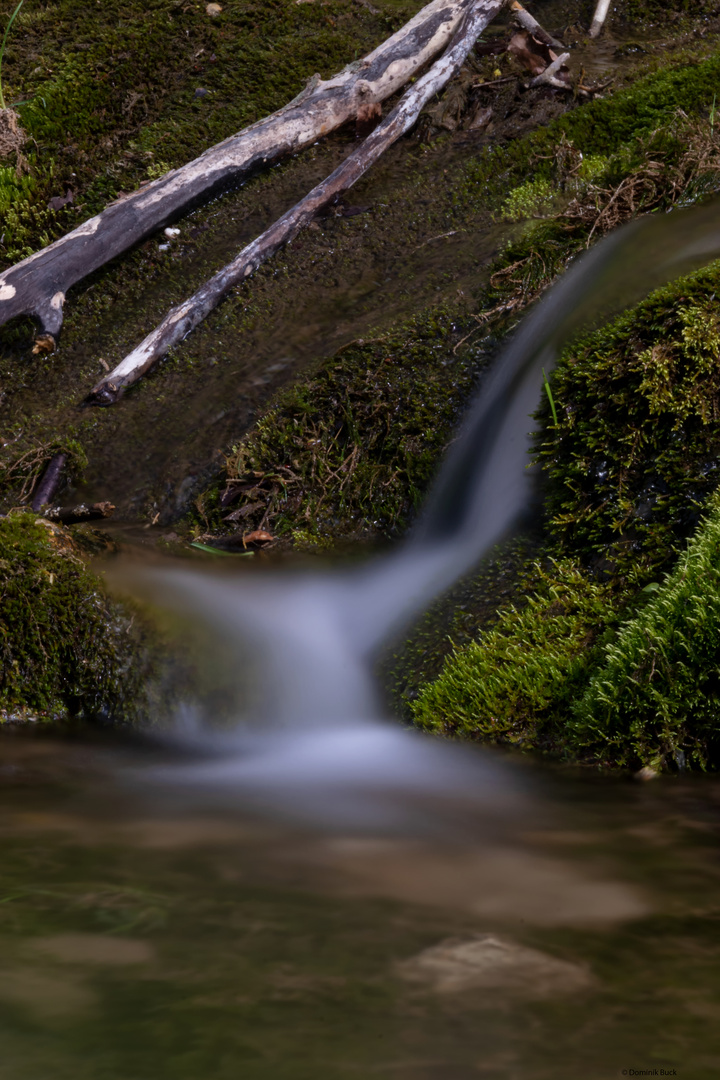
x=49, y=482
x=187, y=315
x=38, y=285
x=76, y=515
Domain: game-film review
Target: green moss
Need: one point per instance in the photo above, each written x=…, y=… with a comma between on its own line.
x=517, y=680
x=656, y=699
x=350, y=451
x=635, y=452
x=534, y=198
x=108, y=90
x=66, y=650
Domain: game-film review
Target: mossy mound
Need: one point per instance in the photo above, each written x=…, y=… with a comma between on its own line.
x=349, y=452
x=636, y=452
x=516, y=682
x=656, y=698
x=67, y=651
x=578, y=672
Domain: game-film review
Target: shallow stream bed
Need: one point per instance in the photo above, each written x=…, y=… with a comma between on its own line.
x=141, y=939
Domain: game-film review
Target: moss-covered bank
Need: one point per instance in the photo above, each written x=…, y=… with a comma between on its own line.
x=67, y=650
x=347, y=436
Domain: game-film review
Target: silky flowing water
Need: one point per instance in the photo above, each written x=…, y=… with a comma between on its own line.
x=313, y=891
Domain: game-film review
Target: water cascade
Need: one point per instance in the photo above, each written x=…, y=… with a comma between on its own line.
x=317, y=743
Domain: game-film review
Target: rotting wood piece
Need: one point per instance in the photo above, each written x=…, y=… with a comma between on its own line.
x=49, y=482
x=38, y=285
x=186, y=316
x=76, y=515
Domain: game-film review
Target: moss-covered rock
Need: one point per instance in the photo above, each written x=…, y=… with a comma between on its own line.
x=66, y=649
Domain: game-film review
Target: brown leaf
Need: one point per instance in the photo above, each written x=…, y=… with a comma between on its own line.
x=481, y=118
x=258, y=538
x=59, y=201
x=45, y=343
x=532, y=54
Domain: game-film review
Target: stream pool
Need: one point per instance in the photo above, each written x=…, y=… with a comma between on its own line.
x=140, y=939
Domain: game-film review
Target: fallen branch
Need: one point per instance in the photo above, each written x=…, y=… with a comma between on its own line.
x=530, y=23
x=76, y=515
x=598, y=19
x=38, y=285
x=184, y=318
x=548, y=76
x=49, y=482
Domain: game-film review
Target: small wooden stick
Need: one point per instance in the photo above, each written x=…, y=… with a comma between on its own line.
x=184, y=318
x=548, y=75
x=530, y=23
x=49, y=482
x=598, y=20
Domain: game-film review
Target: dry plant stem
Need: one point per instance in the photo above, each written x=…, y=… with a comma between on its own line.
x=529, y=23
x=598, y=20
x=548, y=75
x=187, y=315
x=38, y=285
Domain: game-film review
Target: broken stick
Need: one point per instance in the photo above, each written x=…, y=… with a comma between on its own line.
x=548, y=76
x=38, y=285
x=184, y=318
x=530, y=23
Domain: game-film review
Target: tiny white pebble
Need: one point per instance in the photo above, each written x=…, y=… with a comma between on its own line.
x=163, y=247
x=170, y=233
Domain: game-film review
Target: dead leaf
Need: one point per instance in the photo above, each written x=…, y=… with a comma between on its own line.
x=532, y=54
x=481, y=118
x=59, y=201
x=45, y=343
x=535, y=56
x=258, y=538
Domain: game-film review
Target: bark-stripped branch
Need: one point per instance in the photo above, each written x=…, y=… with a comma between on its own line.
x=548, y=76
x=598, y=20
x=187, y=315
x=530, y=23
x=38, y=285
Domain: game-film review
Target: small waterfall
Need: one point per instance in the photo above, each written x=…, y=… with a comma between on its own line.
x=317, y=744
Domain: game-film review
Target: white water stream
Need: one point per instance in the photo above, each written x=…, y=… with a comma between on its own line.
x=317, y=746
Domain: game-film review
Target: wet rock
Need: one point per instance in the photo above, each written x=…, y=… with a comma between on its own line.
x=494, y=964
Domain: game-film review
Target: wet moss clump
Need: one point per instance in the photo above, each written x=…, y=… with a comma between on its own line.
x=516, y=682
x=635, y=452
x=350, y=451
x=67, y=651
x=656, y=698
